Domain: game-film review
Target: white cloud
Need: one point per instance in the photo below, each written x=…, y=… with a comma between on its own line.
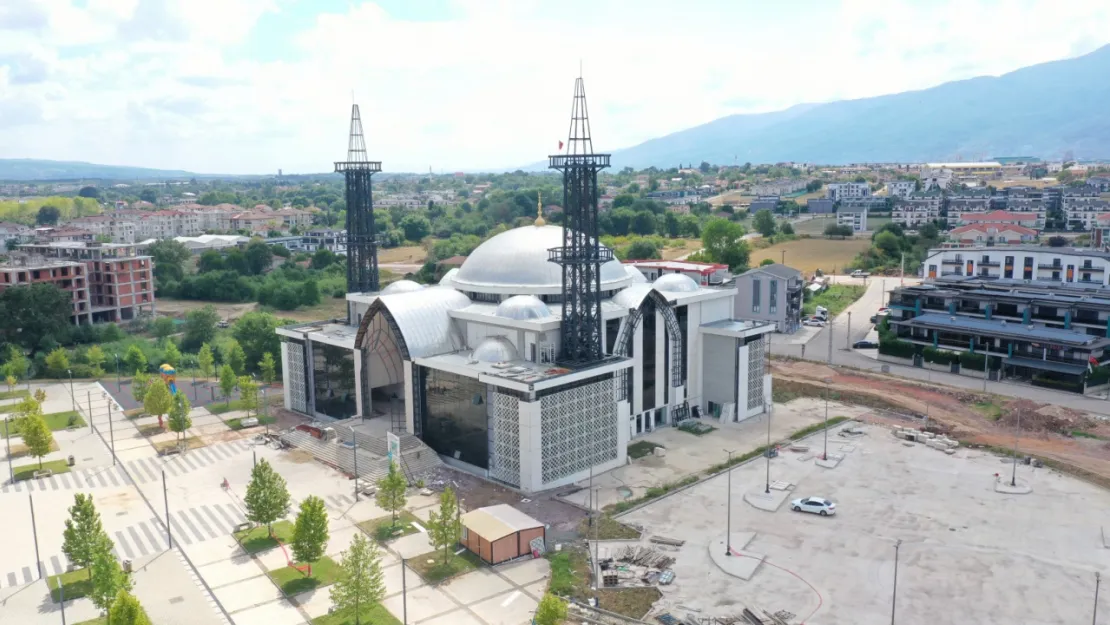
x=165, y=83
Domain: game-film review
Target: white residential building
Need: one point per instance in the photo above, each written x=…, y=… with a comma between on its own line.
x=847, y=190
x=900, y=188
x=854, y=216
x=1021, y=262
x=1082, y=206
x=917, y=209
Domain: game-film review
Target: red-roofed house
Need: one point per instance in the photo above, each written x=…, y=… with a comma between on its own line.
x=992, y=233
x=1028, y=220
x=704, y=274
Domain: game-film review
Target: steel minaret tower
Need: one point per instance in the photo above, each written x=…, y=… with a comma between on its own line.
x=581, y=254
x=362, y=245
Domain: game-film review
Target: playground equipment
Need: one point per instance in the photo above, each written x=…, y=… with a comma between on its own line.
x=169, y=376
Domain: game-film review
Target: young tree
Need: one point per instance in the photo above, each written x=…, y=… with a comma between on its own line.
x=764, y=222
x=171, y=354
x=551, y=610
x=200, y=327
x=17, y=364
x=94, y=355
x=444, y=528
x=268, y=368
x=36, y=435
x=139, y=386
x=360, y=578
x=40, y=396
x=11, y=382
x=107, y=577
x=57, y=362
x=84, y=533
x=310, y=534
x=248, y=394
x=391, y=491
x=163, y=327
x=236, y=358
x=157, y=400
x=205, y=360
x=179, y=415
x=227, y=382
x=267, y=497
x=135, y=359
x=126, y=610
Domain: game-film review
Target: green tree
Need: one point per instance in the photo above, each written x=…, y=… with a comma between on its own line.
x=310, y=293
x=764, y=222
x=94, y=355
x=126, y=610
x=415, y=227
x=157, y=400
x=11, y=381
x=48, y=215
x=107, y=576
x=179, y=420
x=443, y=525
x=163, y=327
x=267, y=497
x=643, y=223
x=259, y=256
x=889, y=244
x=139, y=386
x=310, y=532
x=724, y=243
x=360, y=581
x=205, y=360
x=268, y=368
x=57, y=362
x=391, y=491
x=787, y=228
x=84, y=532
x=170, y=257
x=36, y=434
x=237, y=358
x=766, y=261
x=200, y=327
x=227, y=382
x=135, y=359
x=248, y=394
x=17, y=364
x=551, y=610
x=642, y=249
x=171, y=354
x=255, y=332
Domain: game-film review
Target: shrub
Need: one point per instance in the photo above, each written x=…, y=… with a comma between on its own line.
x=939, y=356
x=968, y=360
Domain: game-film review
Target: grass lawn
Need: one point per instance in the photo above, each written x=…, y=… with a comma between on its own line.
x=55, y=421
x=373, y=615
x=836, y=298
x=639, y=449
x=27, y=471
x=258, y=538
x=989, y=410
x=408, y=254
x=76, y=585
x=192, y=442
x=607, y=528
x=237, y=424
x=809, y=255
x=19, y=450
x=382, y=528
x=150, y=429
x=293, y=582
x=20, y=394
x=815, y=226
x=874, y=223
x=430, y=565
x=680, y=247
x=570, y=573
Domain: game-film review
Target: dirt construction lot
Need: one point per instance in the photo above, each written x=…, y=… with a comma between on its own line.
x=969, y=554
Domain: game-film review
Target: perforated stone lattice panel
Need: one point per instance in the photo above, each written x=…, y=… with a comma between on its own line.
x=298, y=394
x=756, y=367
x=578, y=429
x=505, y=464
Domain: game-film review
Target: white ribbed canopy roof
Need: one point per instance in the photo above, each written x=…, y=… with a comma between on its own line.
x=515, y=263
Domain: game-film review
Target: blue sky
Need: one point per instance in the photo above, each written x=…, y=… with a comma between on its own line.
x=250, y=86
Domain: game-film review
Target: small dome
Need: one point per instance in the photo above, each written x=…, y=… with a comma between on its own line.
x=402, y=286
x=447, y=277
x=637, y=276
x=675, y=283
x=494, y=349
x=522, y=307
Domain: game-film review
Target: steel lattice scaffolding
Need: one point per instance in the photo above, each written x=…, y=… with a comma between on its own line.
x=362, y=245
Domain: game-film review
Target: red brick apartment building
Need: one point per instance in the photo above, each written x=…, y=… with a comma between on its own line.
x=120, y=278
x=66, y=275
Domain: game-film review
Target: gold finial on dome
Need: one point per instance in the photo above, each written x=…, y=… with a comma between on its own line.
x=539, y=210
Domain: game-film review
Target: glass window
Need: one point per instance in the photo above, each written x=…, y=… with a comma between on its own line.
x=455, y=421
x=334, y=380
x=772, y=296
x=755, y=295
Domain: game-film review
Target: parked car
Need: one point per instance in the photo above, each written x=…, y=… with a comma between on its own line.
x=865, y=345
x=859, y=273
x=813, y=321
x=814, y=505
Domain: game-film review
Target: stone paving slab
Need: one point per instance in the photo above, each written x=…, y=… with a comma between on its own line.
x=1020, y=488
x=537, y=589
x=411, y=545
x=315, y=602
x=475, y=586
x=423, y=603
x=526, y=572
x=247, y=593
x=226, y=572
x=279, y=612
x=392, y=577
x=768, y=502
x=458, y=617
x=512, y=608
x=741, y=563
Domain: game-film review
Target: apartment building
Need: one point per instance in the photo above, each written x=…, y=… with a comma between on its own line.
x=783, y=186
x=120, y=277
x=294, y=218
x=1082, y=206
x=969, y=201
x=1032, y=200
x=901, y=188
x=63, y=234
x=119, y=228
x=771, y=293
x=847, y=190
x=255, y=222
x=987, y=169
x=334, y=241
x=766, y=202
x=18, y=232
x=1028, y=219
x=676, y=196
x=917, y=209
x=992, y=234
x=1060, y=265
x=854, y=216
x=69, y=276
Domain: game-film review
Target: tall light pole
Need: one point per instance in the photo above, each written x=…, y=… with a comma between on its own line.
x=118, y=387
x=894, y=594
x=728, y=511
x=848, y=333
x=8, y=444
x=111, y=429
x=829, y=328
x=825, y=456
x=1094, y=616
x=72, y=397
x=1017, y=431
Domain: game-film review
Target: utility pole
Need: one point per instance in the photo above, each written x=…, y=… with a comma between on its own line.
x=894, y=594
x=728, y=513
x=8, y=444
x=62, y=598
x=404, y=596
x=88, y=400
x=111, y=429
x=848, y=334
x=784, y=257
x=35, y=535
x=1094, y=616
x=166, y=499
x=829, y=329
x=354, y=451
x=825, y=455
x=72, y=397
x=902, y=271
x=1017, y=432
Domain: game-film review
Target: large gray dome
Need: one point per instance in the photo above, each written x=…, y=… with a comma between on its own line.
x=515, y=263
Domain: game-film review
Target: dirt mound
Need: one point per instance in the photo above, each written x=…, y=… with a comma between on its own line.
x=1031, y=416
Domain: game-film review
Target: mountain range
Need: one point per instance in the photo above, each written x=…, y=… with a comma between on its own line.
x=1044, y=110
x=31, y=169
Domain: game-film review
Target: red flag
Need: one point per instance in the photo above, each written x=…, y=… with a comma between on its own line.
x=560, y=145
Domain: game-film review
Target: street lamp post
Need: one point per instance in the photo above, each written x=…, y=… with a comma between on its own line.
x=72, y=397
x=111, y=428
x=118, y=383
x=1017, y=431
x=848, y=334
x=894, y=594
x=825, y=455
x=8, y=444
x=728, y=512
x=1094, y=616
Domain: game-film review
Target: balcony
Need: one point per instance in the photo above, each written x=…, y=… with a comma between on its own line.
x=1093, y=269
x=990, y=263
x=952, y=261
x=1047, y=266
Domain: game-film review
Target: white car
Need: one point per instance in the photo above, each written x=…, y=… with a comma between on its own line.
x=814, y=505
x=813, y=321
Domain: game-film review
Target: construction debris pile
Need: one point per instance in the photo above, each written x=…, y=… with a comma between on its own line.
x=940, y=443
x=634, y=566
x=747, y=617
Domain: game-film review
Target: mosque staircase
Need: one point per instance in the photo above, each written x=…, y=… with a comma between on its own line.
x=416, y=458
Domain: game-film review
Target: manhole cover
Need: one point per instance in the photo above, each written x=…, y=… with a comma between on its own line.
x=177, y=600
x=625, y=492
